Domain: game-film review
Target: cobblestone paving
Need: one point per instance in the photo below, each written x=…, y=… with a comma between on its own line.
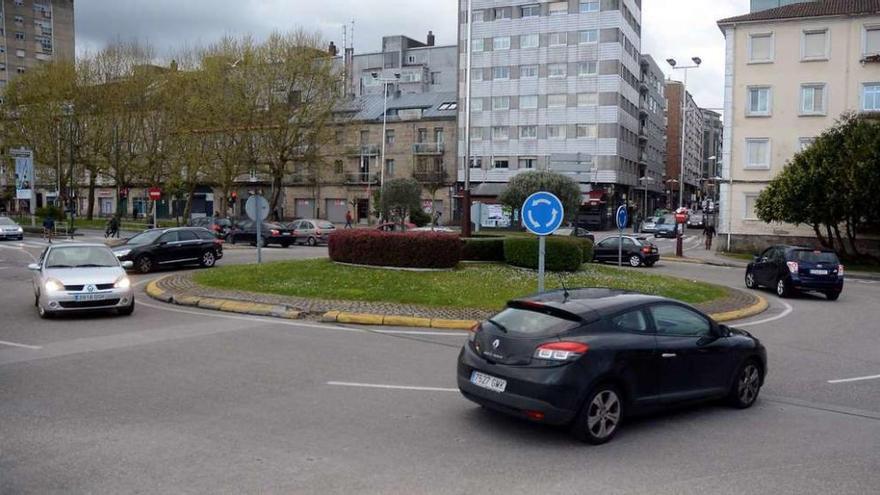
x=183, y=285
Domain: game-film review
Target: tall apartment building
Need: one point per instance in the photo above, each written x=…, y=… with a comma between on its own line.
x=693, y=145
x=790, y=73
x=652, y=134
x=713, y=130
x=555, y=86
x=33, y=32
x=758, y=5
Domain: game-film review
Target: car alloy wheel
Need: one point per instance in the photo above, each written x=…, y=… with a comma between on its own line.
x=635, y=261
x=750, y=280
x=782, y=288
x=208, y=259
x=43, y=313
x=145, y=264
x=747, y=386
x=600, y=417
x=313, y=242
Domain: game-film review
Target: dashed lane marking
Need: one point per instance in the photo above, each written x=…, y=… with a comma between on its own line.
x=23, y=346
x=788, y=310
x=856, y=379
x=392, y=387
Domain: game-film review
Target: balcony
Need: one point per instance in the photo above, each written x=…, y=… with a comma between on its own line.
x=303, y=178
x=643, y=136
x=429, y=148
x=643, y=87
x=439, y=176
x=363, y=150
x=361, y=178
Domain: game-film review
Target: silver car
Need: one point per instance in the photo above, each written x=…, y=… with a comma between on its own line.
x=312, y=232
x=10, y=230
x=81, y=277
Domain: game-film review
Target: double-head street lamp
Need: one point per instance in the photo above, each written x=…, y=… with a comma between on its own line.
x=672, y=62
x=385, y=82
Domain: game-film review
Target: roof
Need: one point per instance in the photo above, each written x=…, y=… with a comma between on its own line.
x=819, y=8
x=370, y=107
x=591, y=303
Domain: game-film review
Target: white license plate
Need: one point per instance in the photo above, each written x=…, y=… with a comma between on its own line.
x=286, y=233
x=819, y=272
x=92, y=297
x=488, y=382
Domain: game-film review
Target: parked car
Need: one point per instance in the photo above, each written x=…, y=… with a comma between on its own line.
x=157, y=248
x=637, y=251
x=311, y=231
x=271, y=233
x=696, y=221
x=649, y=226
x=578, y=232
x=220, y=226
x=667, y=227
x=395, y=227
x=590, y=358
x=10, y=230
x=791, y=269
x=438, y=230
x=81, y=277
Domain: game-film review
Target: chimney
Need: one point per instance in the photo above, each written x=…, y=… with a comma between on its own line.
x=430, y=38
x=333, y=50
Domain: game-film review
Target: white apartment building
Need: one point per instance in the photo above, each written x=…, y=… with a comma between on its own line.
x=790, y=73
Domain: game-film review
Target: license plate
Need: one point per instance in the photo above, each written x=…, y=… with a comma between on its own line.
x=818, y=272
x=488, y=382
x=287, y=233
x=91, y=297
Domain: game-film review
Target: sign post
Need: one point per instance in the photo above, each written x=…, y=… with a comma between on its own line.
x=622, y=217
x=257, y=209
x=155, y=195
x=681, y=218
x=542, y=215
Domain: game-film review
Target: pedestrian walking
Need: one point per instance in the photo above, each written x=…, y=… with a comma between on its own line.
x=348, y=220
x=709, y=233
x=49, y=227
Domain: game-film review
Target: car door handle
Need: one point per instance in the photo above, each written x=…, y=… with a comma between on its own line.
x=668, y=355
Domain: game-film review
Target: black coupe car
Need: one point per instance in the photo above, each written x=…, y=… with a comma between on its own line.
x=590, y=358
x=158, y=248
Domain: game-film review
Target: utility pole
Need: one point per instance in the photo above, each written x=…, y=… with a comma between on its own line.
x=679, y=248
x=466, y=194
x=72, y=195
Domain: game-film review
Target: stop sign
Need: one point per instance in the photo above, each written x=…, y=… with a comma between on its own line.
x=155, y=193
x=681, y=217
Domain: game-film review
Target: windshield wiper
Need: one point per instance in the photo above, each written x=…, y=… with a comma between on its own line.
x=59, y=266
x=92, y=266
x=499, y=325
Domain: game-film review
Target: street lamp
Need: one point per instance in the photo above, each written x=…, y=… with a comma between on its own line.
x=672, y=62
x=646, y=180
x=385, y=82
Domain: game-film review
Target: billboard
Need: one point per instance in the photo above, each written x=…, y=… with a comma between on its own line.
x=24, y=173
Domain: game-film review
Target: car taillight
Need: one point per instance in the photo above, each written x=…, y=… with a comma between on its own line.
x=840, y=271
x=793, y=266
x=561, y=351
x=274, y=232
x=646, y=249
x=318, y=232
x=215, y=228
x=472, y=333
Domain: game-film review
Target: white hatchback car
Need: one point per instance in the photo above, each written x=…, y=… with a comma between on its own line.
x=81, y=277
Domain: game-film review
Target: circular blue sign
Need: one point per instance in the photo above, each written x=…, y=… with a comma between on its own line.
x=622, y=217
x=542, y=213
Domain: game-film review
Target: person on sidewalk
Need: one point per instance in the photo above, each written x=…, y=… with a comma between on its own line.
x=709, y=233
x=348, y=220
x=49, y=228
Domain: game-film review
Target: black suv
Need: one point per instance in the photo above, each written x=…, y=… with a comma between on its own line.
x=637, y=251
x=157, y=248
x=272, y=233
x=789, y=269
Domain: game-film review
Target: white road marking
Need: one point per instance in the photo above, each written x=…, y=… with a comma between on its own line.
x=857, y=379
x=788, y=310
x=392, y=387
x=23, y=346
x=20, y=249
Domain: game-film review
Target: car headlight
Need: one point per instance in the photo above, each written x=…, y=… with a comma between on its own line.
x=122, y=282
x=122, y=253
x=53, y=286
x=20, y=230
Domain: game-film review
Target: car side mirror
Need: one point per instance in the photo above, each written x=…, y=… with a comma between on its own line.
x=758, y=259
x=34, y=267
x=163, y=243
x=128, y=265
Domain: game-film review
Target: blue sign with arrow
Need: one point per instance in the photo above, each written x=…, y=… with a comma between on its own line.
x=622, y=217
x=542, y=213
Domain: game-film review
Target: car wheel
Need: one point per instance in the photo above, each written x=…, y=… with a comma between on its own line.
x=144, y=264
x=44, y=314
x=751, y=283
x=285, y=245
x=313, y=242
x=747, y=386
x=635, y=261
x=782, y=289
x=208, y=259
x=126, y=311
x=600, y=418
x=832, y=295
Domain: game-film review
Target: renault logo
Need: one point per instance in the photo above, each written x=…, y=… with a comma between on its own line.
x=496, y=344
x=90, y=288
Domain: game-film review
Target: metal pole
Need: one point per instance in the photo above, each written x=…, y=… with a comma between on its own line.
x=259, y=219
x=384, y=131
x=155, y=213
x=542, y=251
x=683, y=140
x=466, y=199
x=645, y=212
x=72, y=194
x=619, y=247
x=729, y=205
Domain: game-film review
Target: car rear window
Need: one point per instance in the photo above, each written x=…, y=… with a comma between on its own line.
x=326, y=225
x=205, y=235
x=816, y=257
x=531, y=323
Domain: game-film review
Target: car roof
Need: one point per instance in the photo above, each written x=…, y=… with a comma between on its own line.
x=805, y=248
x=593, y=303
x=79, y=245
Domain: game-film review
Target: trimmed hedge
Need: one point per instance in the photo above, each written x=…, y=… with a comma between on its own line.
x=483, y=249
x=393, y=249
x=587, y=246
x=562, y=254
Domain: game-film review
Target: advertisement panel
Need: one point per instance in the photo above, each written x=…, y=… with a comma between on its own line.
x=24, y=173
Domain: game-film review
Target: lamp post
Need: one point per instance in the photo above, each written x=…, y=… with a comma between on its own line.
x=645, y=180
x=679, y=249
x=71, y=196
x=466, y=194
x=385, y=82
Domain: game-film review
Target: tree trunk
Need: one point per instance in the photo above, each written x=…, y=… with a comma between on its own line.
x=277, y=181
x=187, y=209
x=851, y=235
x=830, y=237
x=840, y=241
x=819, y=236
x=90, y=209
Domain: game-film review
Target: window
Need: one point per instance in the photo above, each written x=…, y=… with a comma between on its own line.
x=804, y=143
x=676, y=320
x=759, y=101
x=502, y=13
x=338, y=166
x=500, y=103
x=634, y=321
x=501, y=43
x=556, y=70
x=501, y=163
x=19, y=36
x=557, y=101
x=479, y=16
x=558, y=39
x=389, y=137
x=500, y=133
x=477, y=44
x=528, y=72
x=20, y=70
x=750, y=200
x=449, y=105
x=872, y=40
x=814, y=45
x=813, y=99
x=558, y=8
x=2, y=67
x=529, y=41
x=555, y=132
x=528, y=163
x=187, y=235
x=501, y=73
x=757, y=153
x=19, y=20
x=528, y=132
x=476, y=75
x=871, y=97
x=587, y=69
x=477, y=133
x=587, y=131
x=20, y=53
x=588, y=99
x=589, y=6
x=761, y=48
x=588, y=36
x=477, y=105
x=530, y=10
x=528, y=102
x=476, y=162
x=389, y=167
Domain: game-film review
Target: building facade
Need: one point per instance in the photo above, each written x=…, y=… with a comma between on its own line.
x=652, y=135
x=34, y=31
x=758, y=5
x=713, y=132
x=554, y=86
x=790, y=73
x=681, y=105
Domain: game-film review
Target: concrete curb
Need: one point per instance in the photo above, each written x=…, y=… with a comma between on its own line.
x=225, y=305
x=397, y=321
x=753, y=310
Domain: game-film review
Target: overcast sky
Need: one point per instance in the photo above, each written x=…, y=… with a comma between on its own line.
x=670, y=28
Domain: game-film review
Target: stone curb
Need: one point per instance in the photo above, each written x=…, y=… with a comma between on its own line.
x=397, y=321
x=755, y=309
x=225, y=305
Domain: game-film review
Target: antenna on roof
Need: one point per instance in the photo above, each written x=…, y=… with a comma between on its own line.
x=565, y=293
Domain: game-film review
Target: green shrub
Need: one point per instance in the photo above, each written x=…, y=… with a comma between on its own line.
x=483, y=249
x=587, y=247
x=50, y=211
x=562, y=254
x=419, y=218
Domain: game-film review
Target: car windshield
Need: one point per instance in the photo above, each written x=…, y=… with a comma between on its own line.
x=223, y=222
x=6, y=221
x=326, y=225
x=81, y=257
x=816, y=257
x=531, y=323
x=147, y=237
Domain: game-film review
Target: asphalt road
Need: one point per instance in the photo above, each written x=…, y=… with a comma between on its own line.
x=175, y=400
